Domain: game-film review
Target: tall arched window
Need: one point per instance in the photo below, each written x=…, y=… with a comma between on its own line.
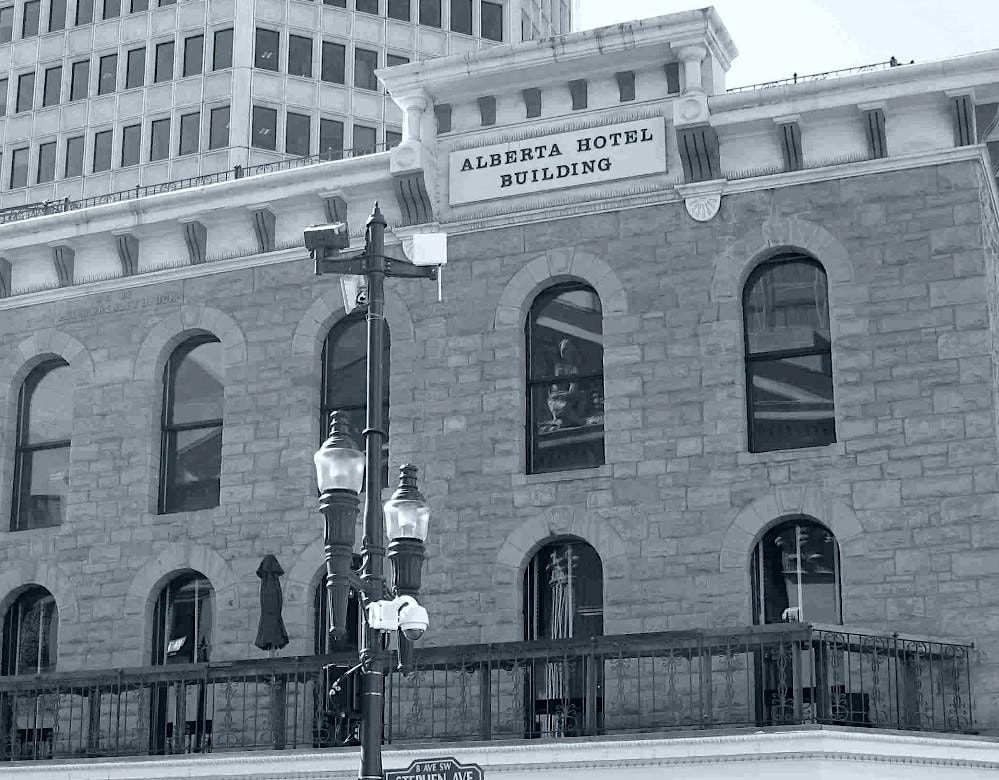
x=30, y=630
x=345, y=367
x=191, y=458
x=565, y=379
x=789, y=387
x=563, y=598
x=796, y=574
x=182, y=620
x=41, y=457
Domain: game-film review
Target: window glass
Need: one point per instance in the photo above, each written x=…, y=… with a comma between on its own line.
x=3, y=96
x=492, y=21
x=367, y=6
x=190, y=133
x=102, y=151
x=140, y=5
x=398, y=9
x=164, y=62
x=30, y=630
x=192, y=427
x=46, y=162
x=182, y=626
x=108, y=74
x=392, y=60
x=365, y=140
x=19, y=168
x=266, y=50
x=112, y=9
x=788, y=355
x=565, y=379
x=84, y=11
x=365, y=63
x=337, y=3
x=442, y=112
x=461, y=16
x=194, y=55
x=796, y=574
x=135, y=68
x=79, y=83
x=222, y=50
x=52, y=90
x=218, y=131
x=345, y=366
x=29, y=21
x=6, y=24
x=264, y=128
x=131, y=137
x=392, y=139
x=334, y=56
x=74, y=156
x=430, y=13
x=44, y=426
x=25, y=92
x=159, y=139
x=299, y=56
x=57, y=15
x=298, y=131
x=331, y=138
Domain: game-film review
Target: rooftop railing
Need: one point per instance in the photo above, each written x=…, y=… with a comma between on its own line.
x=758, y=676
x=29, y=210
x=829, y=74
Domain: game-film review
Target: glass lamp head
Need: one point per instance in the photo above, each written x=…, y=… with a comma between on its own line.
x=339, y=464
x=407, y=515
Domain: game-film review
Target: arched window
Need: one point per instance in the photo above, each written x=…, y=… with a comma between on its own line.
x=796, y=574
x=565, y=379
x=789, y=387
x=30, y=630
x=563, y=598
x=182, y=620
x=41, y=457
x=345, y=366
x=191, y=458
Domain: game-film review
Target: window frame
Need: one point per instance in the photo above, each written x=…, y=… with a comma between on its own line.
x=169, y=429
x=359, y=59
x=294, y=41
x=296, y=117
x=397, y=6
x=24, y=451
x=135, y=57
x=750, y=358
x=543, y=298
x=197, y=133
x=75, y=70
x=155, y=126
x=337, y=63
x=15, y=155
x=261, y=62
x=13, y=630
x=82, y=141
x=134, y=130
x=223, y=35
x=263, y=112
x=47, y=84
x=165, y=63
x=501, y=10
x=7, y=30
x=22, y=93
x=57, y=19
x=100, y=74
x=214, y=112
x=36, y=21
x=46, y=159
x=192, y=58
x=108, y=135
x=163, y=614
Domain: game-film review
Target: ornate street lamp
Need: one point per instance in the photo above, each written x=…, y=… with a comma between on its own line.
x=340, y=471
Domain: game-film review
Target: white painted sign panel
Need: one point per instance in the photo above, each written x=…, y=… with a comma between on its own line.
x=553, y=162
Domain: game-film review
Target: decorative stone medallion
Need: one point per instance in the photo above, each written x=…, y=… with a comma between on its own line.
x=702, y=199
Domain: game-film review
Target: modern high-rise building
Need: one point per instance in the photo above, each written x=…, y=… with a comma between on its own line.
x=101, y=96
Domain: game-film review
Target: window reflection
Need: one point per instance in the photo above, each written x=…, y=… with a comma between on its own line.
x=41, y=462
x=565, y=379
x=796, y=574
x=788, y=355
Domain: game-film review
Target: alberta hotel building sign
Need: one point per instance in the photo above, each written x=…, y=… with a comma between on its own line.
x=551, y=162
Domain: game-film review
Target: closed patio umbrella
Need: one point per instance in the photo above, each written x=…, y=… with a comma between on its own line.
x=271, y=634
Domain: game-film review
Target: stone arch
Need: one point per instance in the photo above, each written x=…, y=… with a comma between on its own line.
x=18, y=575
x=532, y=534
x=750, y=522
x=170, y=331
x=734, y=265
x=557, y=265
x=155, y=572
x=299, y=584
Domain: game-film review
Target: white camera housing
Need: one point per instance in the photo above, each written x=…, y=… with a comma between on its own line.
x=402, y=613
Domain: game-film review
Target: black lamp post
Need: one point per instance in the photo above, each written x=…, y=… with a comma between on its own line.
x=340, y=469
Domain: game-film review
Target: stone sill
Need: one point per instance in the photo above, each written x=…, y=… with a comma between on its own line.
x=519, y=480
x=836, y=449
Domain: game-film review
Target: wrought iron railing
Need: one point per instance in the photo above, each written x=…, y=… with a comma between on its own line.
x=29, y=210
x=758, y=676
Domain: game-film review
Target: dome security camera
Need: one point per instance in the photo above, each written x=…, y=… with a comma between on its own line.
x=413, y=620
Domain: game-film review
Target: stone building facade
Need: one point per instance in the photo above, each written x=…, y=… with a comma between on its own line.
x=906, y=237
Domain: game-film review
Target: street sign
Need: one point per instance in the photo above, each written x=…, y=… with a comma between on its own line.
x=436, y=769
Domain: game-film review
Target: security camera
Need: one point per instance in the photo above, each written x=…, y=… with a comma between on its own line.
x=334, y=236
x=413, y=620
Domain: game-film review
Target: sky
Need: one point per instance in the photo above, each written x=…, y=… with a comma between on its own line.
x=776, y=38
